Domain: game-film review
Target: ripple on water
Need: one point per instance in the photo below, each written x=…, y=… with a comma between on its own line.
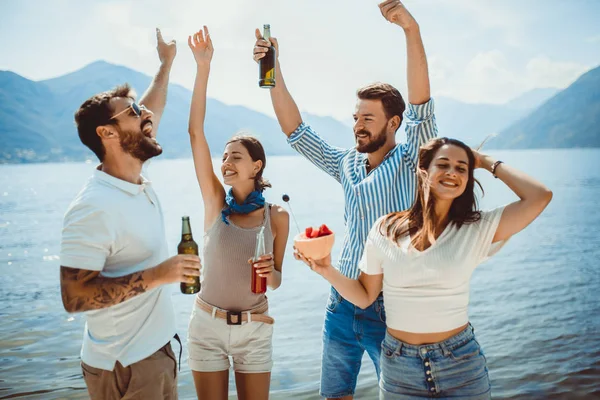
x=535, y=306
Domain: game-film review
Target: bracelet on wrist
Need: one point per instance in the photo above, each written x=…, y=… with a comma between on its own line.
x=494, y=166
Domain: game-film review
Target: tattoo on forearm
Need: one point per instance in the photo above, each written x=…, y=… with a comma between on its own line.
x=84, y=290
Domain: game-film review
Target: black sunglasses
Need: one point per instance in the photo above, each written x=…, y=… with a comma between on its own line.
x=137, y=110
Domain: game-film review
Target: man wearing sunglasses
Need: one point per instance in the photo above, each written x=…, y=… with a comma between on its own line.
x=114, y=256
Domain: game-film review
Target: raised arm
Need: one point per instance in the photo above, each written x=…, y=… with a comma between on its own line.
x=155, y=96
x=534, y=197
x=418, y=74
x=420, y=122
x=213, y=193
x=86, y=290
x=300, y=136
x=285, y=107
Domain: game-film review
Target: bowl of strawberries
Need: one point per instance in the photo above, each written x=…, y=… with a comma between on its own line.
x=315, y=243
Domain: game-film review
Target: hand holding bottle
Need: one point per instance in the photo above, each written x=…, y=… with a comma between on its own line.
x=264, y=266
x=184, y=268
x=261, y=46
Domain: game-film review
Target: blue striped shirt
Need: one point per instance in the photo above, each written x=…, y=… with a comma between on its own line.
x=388, y=188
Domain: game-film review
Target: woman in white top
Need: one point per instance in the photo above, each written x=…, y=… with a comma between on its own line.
x=423, y=259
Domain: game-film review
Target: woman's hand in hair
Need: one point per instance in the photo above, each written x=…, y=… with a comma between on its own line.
x=479, y=157
x=201, y=45
x=483, y=160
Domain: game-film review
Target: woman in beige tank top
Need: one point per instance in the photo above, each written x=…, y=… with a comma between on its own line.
x=228, y=319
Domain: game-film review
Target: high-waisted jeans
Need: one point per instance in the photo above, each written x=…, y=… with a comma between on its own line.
x=452, y=369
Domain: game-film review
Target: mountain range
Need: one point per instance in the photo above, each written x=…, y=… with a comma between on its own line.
x=571, y=118
x=36, y=117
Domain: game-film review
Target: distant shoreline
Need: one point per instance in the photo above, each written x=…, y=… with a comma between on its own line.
x=293, y=154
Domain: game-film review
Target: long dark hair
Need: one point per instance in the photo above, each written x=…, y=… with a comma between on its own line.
x=257, y=152
x=420, y=221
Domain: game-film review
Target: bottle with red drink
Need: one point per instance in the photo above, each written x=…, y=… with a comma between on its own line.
x=259, y=284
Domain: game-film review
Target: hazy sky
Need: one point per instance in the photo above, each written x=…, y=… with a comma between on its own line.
x=478, y=50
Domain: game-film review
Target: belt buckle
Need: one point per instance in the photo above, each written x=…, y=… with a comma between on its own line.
x=237, y=315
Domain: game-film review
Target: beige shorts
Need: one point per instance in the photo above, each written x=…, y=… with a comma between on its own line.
x=153, y=378
x=211, y=342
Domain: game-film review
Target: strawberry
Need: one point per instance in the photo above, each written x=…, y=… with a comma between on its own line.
x=321, y=230
x=308, y=231
x=324, y=230
x=312, y=233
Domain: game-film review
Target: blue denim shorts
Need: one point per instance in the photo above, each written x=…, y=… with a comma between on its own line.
x=348, y=332
x=455, y=368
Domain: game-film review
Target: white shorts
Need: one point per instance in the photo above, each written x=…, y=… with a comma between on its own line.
x=211, y=342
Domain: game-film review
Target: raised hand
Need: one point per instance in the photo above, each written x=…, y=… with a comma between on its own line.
x=395, y=12
x=479, y=157
x=262, y=46
x=201, y=45
x=166, y=51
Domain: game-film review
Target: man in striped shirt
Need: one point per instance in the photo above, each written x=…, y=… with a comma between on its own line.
x=377, y=176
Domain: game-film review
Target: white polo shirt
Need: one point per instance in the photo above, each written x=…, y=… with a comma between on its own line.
x=117, y=227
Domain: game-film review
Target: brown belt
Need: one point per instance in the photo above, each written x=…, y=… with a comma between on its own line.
x=237, y=317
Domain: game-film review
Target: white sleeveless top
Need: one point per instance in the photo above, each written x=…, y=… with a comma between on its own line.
x=428, y=291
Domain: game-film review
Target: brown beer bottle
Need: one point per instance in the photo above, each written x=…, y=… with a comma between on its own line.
x=266, y=65
x=188, y=246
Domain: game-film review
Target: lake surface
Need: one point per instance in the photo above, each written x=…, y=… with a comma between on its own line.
x=535, y=306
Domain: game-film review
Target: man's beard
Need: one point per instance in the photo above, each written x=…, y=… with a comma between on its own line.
x=138, y=145
x=374, y=144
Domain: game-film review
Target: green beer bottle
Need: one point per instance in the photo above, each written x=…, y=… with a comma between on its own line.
x=188, y=246
x=266, y=65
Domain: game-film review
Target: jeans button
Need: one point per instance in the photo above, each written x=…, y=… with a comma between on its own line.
x=428, y=372
x=433, y=389
x=423, y=351
x=426, y=363
x=429, y=379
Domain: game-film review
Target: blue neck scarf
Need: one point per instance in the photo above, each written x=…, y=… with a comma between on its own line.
x=254, y=201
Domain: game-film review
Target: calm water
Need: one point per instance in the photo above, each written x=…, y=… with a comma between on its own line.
x=535, y=306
